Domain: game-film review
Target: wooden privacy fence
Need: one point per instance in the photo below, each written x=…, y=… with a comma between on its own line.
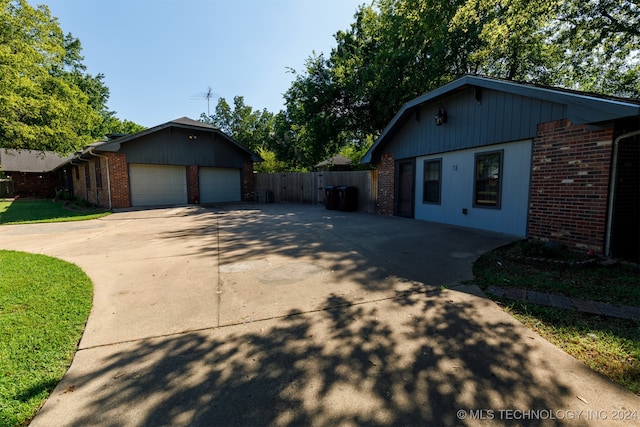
x=309, y=187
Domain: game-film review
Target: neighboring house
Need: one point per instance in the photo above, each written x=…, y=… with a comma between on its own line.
x=519, y=159
x=335, y=163
x=178, y=162
x=34, y=173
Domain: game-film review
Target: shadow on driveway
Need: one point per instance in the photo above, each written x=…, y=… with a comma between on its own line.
x=408, y=361
x=364, y=335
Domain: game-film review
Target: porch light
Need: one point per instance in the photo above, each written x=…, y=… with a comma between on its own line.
x=441, y=116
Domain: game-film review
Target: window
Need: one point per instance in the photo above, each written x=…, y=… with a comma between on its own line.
x=432, y=181
x=488, y=176
x=98, y=174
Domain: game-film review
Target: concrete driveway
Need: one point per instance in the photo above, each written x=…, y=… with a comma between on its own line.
x=290, y=314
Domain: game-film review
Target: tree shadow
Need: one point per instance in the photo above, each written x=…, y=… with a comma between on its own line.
x=363, y=248
x=415, y=360
x=415, y=357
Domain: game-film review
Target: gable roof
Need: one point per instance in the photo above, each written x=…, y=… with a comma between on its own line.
x=337, y=160
x=581, y=107
x=183, y=122
x=12, y=160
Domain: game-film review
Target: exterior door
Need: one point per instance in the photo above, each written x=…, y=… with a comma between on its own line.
x=405, y=188
x=625, y=233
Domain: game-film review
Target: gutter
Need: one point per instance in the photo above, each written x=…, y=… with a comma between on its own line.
x=612, y=188
x=90, y=151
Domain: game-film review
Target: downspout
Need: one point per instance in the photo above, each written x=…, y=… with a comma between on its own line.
x=612, y=188
x=108, y=178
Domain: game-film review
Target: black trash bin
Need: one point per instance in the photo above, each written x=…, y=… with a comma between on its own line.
x=348, y=198
x=331, y=197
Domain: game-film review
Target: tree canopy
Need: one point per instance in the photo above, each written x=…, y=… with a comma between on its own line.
x=396, y=50
x=47, y=100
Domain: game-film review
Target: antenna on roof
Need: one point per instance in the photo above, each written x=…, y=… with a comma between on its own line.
x=208, y=95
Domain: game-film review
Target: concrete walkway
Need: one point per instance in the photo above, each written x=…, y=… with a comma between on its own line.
x=294, y=315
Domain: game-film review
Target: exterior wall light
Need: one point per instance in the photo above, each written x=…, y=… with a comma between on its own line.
x=192, y=137
x=441, y=116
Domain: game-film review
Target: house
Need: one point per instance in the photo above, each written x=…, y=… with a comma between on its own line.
x=178, y=162
x=335, y=163
x=520, y=159
x=33, y=173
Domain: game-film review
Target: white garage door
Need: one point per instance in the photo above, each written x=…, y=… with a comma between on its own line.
x=219, y=185
x=153, y=185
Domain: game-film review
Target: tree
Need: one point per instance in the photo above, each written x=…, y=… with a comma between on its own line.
x=39, y=107
x=252, y=128
x=396, y=50
x=270, y=163
x=47, y=100
x=513, y=43
x=601, y=39
x=316, y=113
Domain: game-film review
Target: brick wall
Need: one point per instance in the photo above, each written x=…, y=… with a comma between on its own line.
x=119, y=176
x=100, y=194
x=34, y=184
x=78, y=175
x=95, y=192
x=193, y=184
x=386, y=185
x=570, y=184
x=248, y=182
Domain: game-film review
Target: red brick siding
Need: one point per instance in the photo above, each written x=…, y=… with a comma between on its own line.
x=79, y=187
x=119, y=176
x=570, y=184
x=386, y=185
x=99, y=195
x=248, y=182
x=34, y=184
x=193, y=184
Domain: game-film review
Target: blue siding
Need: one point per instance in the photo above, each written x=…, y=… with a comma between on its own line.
x=458, y=184
x=498, y=117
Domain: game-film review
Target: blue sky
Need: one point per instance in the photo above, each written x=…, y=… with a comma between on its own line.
x=160, y=56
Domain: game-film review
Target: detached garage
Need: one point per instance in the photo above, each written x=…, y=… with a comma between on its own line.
x=176, y=163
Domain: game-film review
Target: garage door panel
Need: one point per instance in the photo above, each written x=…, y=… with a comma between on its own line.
x=219, y=185
x=154, y=185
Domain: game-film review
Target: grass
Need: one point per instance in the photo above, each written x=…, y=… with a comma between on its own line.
x=608, y=345
x=44, y=305
x=41, y=210
x=507, y=267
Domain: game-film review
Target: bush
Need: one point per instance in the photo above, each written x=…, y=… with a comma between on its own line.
x=64, y=194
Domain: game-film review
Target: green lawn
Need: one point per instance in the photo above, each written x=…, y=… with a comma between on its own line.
x=32, y=211
x=44, y=305
x=607, y=345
